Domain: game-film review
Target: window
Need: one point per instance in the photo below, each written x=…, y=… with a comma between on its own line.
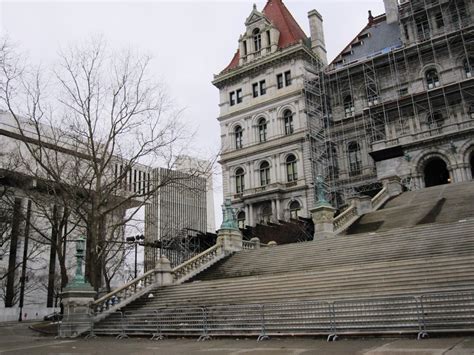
x=295, y=207
x=232, y=98
x=439, y=20
x=288, y=118
x=239, y=95
x=405, y=30
x=471, y=110
x=262, y=130
x=279, y=81
x=257, y=40
x=435, y=120
x=268, y=39
x=245, y=47
x=288, y=78
x=422, y=27
x=241, y=219
x=348, y=106
x=255, y=89
x=432, y=78
x=264, y=173
x=263, y=87
x=291, y=170
x=355, y=163
x=239, y=180
x=238, y=137
x=468, y=64
x=402, y=91
x=266, y=213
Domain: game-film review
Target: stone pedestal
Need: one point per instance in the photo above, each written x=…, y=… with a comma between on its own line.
x=163, y=276
x=76, y=299
x=362, y=203
x=230, y=240
x=393, y=185
x=323, y=219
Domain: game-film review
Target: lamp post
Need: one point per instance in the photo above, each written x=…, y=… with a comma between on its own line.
x=136, y=240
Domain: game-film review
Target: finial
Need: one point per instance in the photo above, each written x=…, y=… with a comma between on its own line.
x=255, y=6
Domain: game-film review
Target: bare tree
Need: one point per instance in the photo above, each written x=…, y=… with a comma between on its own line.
x=88, y=135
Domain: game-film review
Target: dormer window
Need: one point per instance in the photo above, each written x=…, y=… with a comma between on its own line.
x=257, y=40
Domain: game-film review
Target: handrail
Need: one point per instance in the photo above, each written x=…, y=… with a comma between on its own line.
x=188, y=267
x=127, y=285
x=341, y=221
x=194, y=258
x=377, y=199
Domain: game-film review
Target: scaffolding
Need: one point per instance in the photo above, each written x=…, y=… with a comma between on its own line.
x=380, y=99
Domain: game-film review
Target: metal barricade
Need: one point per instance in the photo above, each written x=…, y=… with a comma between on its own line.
x=382, y=315
x=241, y=320
x=91, y=333
x=183, y=321
x=123, y=326
x=298, y=318
x=448, y=311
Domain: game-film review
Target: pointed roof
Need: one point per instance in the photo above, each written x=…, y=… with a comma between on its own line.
x=283, y=20
x=290, y=31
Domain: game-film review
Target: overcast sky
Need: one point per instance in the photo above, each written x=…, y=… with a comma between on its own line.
x=189, y=41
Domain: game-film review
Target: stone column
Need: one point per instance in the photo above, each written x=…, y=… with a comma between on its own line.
x=251, y=223
x=274, y=212
x=278, y=209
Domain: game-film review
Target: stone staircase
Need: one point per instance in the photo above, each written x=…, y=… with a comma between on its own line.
x=423, y=243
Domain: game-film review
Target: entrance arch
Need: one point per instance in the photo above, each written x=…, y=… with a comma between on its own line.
x=471, y=162
x=436, y=172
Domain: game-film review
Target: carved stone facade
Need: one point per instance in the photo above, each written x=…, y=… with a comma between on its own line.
x=397, y=101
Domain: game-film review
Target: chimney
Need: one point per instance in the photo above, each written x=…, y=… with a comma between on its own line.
x=391, y=10
x=318, y=45
x=371, y=18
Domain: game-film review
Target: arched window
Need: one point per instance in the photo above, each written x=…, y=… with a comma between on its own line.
x=295, y=208
x=291, y=170
x=239, y=180
x=257, y=40
x=241, y=219
x=468, y=66
x=266, y=213
x=348, y=106
x=238, y=137
x=264, y=173
x=288, y=118
x=355, y=163
x=435, y=119
x=432, y=78
x=262, y=130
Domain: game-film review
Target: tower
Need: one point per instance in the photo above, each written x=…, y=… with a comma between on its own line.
x=267, y=170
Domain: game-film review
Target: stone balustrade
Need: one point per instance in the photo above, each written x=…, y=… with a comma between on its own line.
x=379, y=199
x=345, y=219
x=189, y=268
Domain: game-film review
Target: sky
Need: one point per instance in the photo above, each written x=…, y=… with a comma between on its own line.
x=189, y=42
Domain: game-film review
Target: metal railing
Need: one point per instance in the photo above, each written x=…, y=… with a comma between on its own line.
x=420, y=315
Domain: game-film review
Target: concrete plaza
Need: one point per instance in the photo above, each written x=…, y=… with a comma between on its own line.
x=19, y=339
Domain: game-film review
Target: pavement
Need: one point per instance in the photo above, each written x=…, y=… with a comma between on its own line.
x=17, y=338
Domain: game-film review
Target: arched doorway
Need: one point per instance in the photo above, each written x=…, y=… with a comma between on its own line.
x=471, y=162
x=436, y=173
